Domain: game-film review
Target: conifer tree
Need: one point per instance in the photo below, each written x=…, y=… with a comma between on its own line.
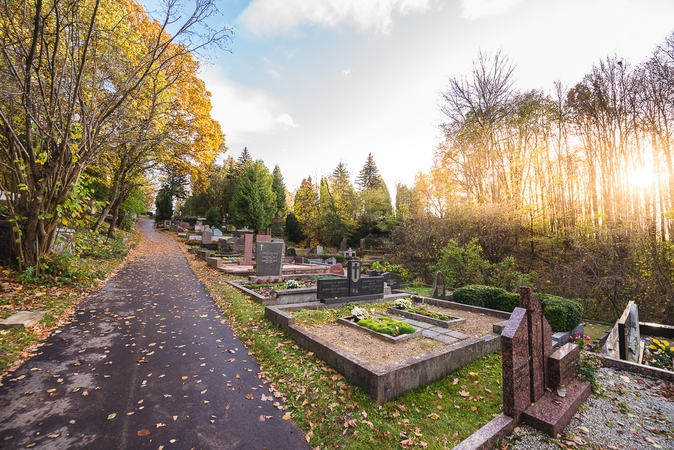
x=306, y=208
x=368, y=177
x=254, y=201
x=280, y=190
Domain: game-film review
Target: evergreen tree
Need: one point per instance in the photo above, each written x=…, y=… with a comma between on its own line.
x=245, y=157
x=164, y=204
x=377, y=213
x=404, y=202
x=293, y=229
x=280, y=189
x=368, y=177
x=343, y=193
x=254, y=201
x=306, y=208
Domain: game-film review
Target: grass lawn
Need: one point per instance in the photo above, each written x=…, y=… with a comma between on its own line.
x=422, y=291
x=331, y=411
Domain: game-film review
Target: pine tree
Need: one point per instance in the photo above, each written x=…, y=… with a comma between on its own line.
x=306, y=208
x=254, y=201
x=368, y=177
x=164, y=204
x=345, y=197
x=245, y=157
x=280, y=189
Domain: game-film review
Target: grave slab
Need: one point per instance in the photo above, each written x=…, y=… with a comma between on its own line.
x=23, y=319
x=563, y=365
x=552, y=413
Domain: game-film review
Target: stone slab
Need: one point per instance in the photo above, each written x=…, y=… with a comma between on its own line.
x=269, y=259
x=552, y=413
x=23, y=319
x=332, y=288
x=446, y=339
x=487, y=437
x=563, y=365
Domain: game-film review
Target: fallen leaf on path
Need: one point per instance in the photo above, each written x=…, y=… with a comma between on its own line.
x=143, y=432
x=112, y=416
x=159, y=425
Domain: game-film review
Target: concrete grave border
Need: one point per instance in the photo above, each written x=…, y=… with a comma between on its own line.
x=391, y=381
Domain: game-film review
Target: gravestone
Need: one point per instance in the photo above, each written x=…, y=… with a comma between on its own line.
x=336, y=269
x=206, y=237
x=343, y=245
x=247, y=249
x=332, y=288
x=198, y=228
x=371, y=285
x=238, y=245
x=629, y=334
x=362, y=245
x=530, y=366
x=291, y=252
x=216, y=232
x=439, y=291
x=307, y=243
x=331, y=260
x=353, y=275
x=269, y=259
x=393, y=280
x=225, y=246
x=349, y=253
x=319, y=250
x=263, y=238
x=312, y=251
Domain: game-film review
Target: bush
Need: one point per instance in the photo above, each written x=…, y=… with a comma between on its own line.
x=487, y=297
x=339, y=258
x=392, y=268
x=561, y=313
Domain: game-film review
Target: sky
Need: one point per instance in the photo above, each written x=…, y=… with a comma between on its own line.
x=310, y=83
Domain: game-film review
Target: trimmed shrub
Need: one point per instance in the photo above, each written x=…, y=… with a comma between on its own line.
x=487, y=297
x=561, y=313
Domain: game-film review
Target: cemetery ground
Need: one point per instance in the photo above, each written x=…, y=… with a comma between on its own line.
x=627, y=411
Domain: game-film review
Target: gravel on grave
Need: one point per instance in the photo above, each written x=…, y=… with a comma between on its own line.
x=380, y=353
x=628, y=412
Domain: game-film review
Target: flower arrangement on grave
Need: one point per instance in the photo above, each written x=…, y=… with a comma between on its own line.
x=359, y=313
x=581, y=341
x=292, y=284
x=660, y=354
x=403, y=303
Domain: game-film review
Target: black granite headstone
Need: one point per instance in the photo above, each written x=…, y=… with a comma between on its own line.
x=291, y=252
x=371, y=285
x=353, y=274
x=332, y=288
x=392, y=279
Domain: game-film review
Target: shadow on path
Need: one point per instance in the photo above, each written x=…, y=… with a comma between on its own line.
x=147, y=362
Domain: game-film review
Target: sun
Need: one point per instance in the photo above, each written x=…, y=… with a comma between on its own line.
x=640, y=177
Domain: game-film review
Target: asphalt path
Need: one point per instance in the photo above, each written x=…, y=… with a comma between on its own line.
x=148, y=362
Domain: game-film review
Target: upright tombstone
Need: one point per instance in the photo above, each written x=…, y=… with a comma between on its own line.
x=269, y=259
x=336, y=269
x=247, y=249
x=319, y=250
x=207, y=237
x=393, y=280
x=263, y=238
x=216, y=232
x=307, y=243
x=439, y=291
x=353, y=274
x=343, y=245
x=291, y=252
x=629, y=335
x=529, y=367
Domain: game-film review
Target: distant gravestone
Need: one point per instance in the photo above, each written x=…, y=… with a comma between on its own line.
x=198, y=228
x=225, y=247
x=343, y=245
x=307, y=243
x=392, y=279
x=362, y=245
x=167, y=224
x=319, y=250
x=247, y=249
x=207, y=237
x=349, y=253
x=269, y=259
x=353, y=275
x=331, y=260
x=263, y=238
x=439, y=291
x=291, y=252
x=336, y=269
x=217, y=232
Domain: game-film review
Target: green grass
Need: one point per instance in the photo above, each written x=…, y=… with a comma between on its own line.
x=387, y=325
x=336, y=414
x=422, y=291
x=427, y=313
x=595, y=331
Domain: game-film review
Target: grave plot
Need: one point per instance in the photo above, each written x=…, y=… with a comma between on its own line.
x=643, y=348
x=386, y=370
x=281, y=290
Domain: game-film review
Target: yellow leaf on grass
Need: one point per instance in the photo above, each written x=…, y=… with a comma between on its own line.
x=286, y=416
x=464, y=394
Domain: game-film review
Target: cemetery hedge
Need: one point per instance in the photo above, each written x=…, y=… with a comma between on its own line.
x=562, y=314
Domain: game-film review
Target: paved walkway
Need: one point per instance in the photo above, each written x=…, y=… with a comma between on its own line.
x=147, y=363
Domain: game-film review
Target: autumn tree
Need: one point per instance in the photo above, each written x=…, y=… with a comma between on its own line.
x=306, y=209
x=67, y=68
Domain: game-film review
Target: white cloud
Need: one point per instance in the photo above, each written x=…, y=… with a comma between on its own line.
x=266, y=17
x=241, y=111
x=346, y=72
x=475, y=9
x=274, y=74
x=285, y=121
